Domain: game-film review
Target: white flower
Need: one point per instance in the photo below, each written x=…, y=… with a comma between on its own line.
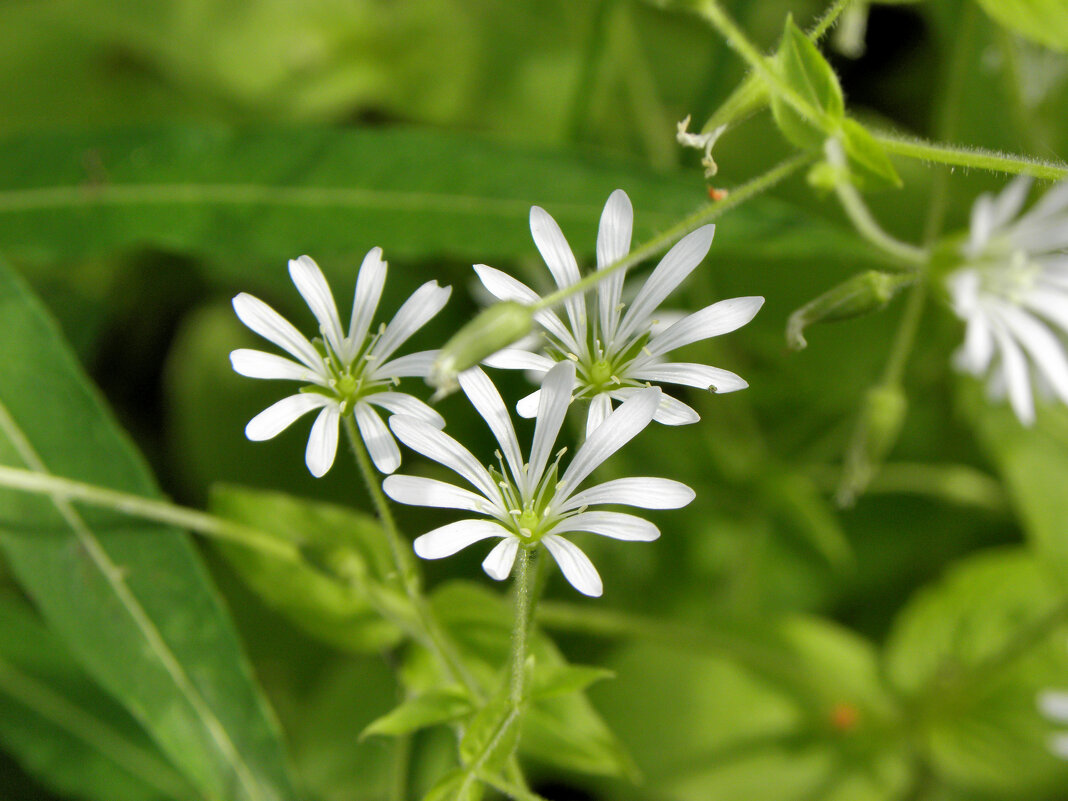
x=1054, y=705
x=618, y=353
x=526, y=503
x=343, y=373
x=1013, y=295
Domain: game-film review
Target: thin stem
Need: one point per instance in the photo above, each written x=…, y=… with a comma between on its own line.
x=402, y=559
x=905, y=335
x=401, y=765
x=975, y=157
x=145, y=508
x=705, y=215
x=861, y=217
x=435, y=637
x=523, y=587
x=828, y=19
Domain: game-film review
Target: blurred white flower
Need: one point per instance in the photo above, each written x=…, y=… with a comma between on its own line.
x=1054, y=705
x=528, y=503
x=343, y=373
x=617, y=353
x=1012, y=294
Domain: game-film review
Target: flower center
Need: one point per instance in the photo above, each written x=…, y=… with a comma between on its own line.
x=528, y=522
x=600, y=373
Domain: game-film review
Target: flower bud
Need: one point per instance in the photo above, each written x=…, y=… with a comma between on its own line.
x=861, y=294
x=878, y=426
x=492, y=329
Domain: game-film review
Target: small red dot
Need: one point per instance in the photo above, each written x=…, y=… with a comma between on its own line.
x=717, y=194
x=844, y=716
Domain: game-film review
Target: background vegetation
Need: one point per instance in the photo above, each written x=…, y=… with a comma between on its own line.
x=158, y=157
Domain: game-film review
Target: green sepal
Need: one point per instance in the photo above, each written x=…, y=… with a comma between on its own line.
x=492, y=734
x=422, y=711
x=869, y=166
x=862, y=294
x=456, y=785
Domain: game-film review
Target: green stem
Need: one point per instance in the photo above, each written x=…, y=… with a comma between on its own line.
x=977, y=158
x=828, y=19
x=869, y=228
x=523, y=587
x=402, y=558
x=146, y=508
x=435, y=637
x=705, y=215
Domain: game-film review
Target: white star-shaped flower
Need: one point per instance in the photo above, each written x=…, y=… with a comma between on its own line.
x=1012, y=294
x=526, y=503
x=619, y=349
x=343, y=373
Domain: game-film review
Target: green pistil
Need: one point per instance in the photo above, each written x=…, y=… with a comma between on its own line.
x=528, y=522
x=600, y=374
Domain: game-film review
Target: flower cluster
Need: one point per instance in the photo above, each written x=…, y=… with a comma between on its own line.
x=342, y=372
x=1012, y=294
x=601, y=357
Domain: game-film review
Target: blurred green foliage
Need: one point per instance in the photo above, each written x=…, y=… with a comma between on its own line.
x=157, y=157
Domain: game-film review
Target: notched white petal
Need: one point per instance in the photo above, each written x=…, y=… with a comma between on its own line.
x=420, y=491
x=369, y=284
x=312, y=286
x=617, y=525
x=575, y=565
x=454, y=537
x=711, y=321
x=701, y=376
x=416, y=312
x=322, y=441
x=273, y=327
x=380, y=443
x=276, y=418
x=258, y=364
x=644, y=492
x=490, y=407
x=401, y=403
x=498, y=564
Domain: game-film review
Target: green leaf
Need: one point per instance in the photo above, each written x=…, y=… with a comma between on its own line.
x=346, y=556
x=457, y=785
x=249, y=196
x=492, y=735
x=423, y=710
x=131, y=601
x=1043, y=21
x=869, y=165
x=804, y=69
x=1033, y=462
x=972, y=653
x=64, y=730
x=566, y=679
x=716, y=728
x=562, y=730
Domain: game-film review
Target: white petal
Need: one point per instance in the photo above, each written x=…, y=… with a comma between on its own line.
x=1015, y=375
x=1043, y=347
x=617, y=525
x=647, y=493
x=613, y=243
x=527, y=407
x=575, y=565
x=257, y=364
x=503, y=287
x=498, y=564
x=617, y=430
x=490, y=407
x=600, y=408
x=276, y=418
x=1054, y=705
x=974, y=357
x=553, y=400
x=312, y=286
x=1058, y=744
x=712, y=321
x=449, y=539
x=515, y=359
x=1050, y=303
x=401, y=403
x=419, y=491
x=1009, y=201
x=273, y=327
x=369, y=283
x=414, y=365
x=322, y=441
x=679, y=262
x=553, y=247
x=380, y=443
x=416, y=312
x=433, y=444
x=701, y=376
x=670, y=412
